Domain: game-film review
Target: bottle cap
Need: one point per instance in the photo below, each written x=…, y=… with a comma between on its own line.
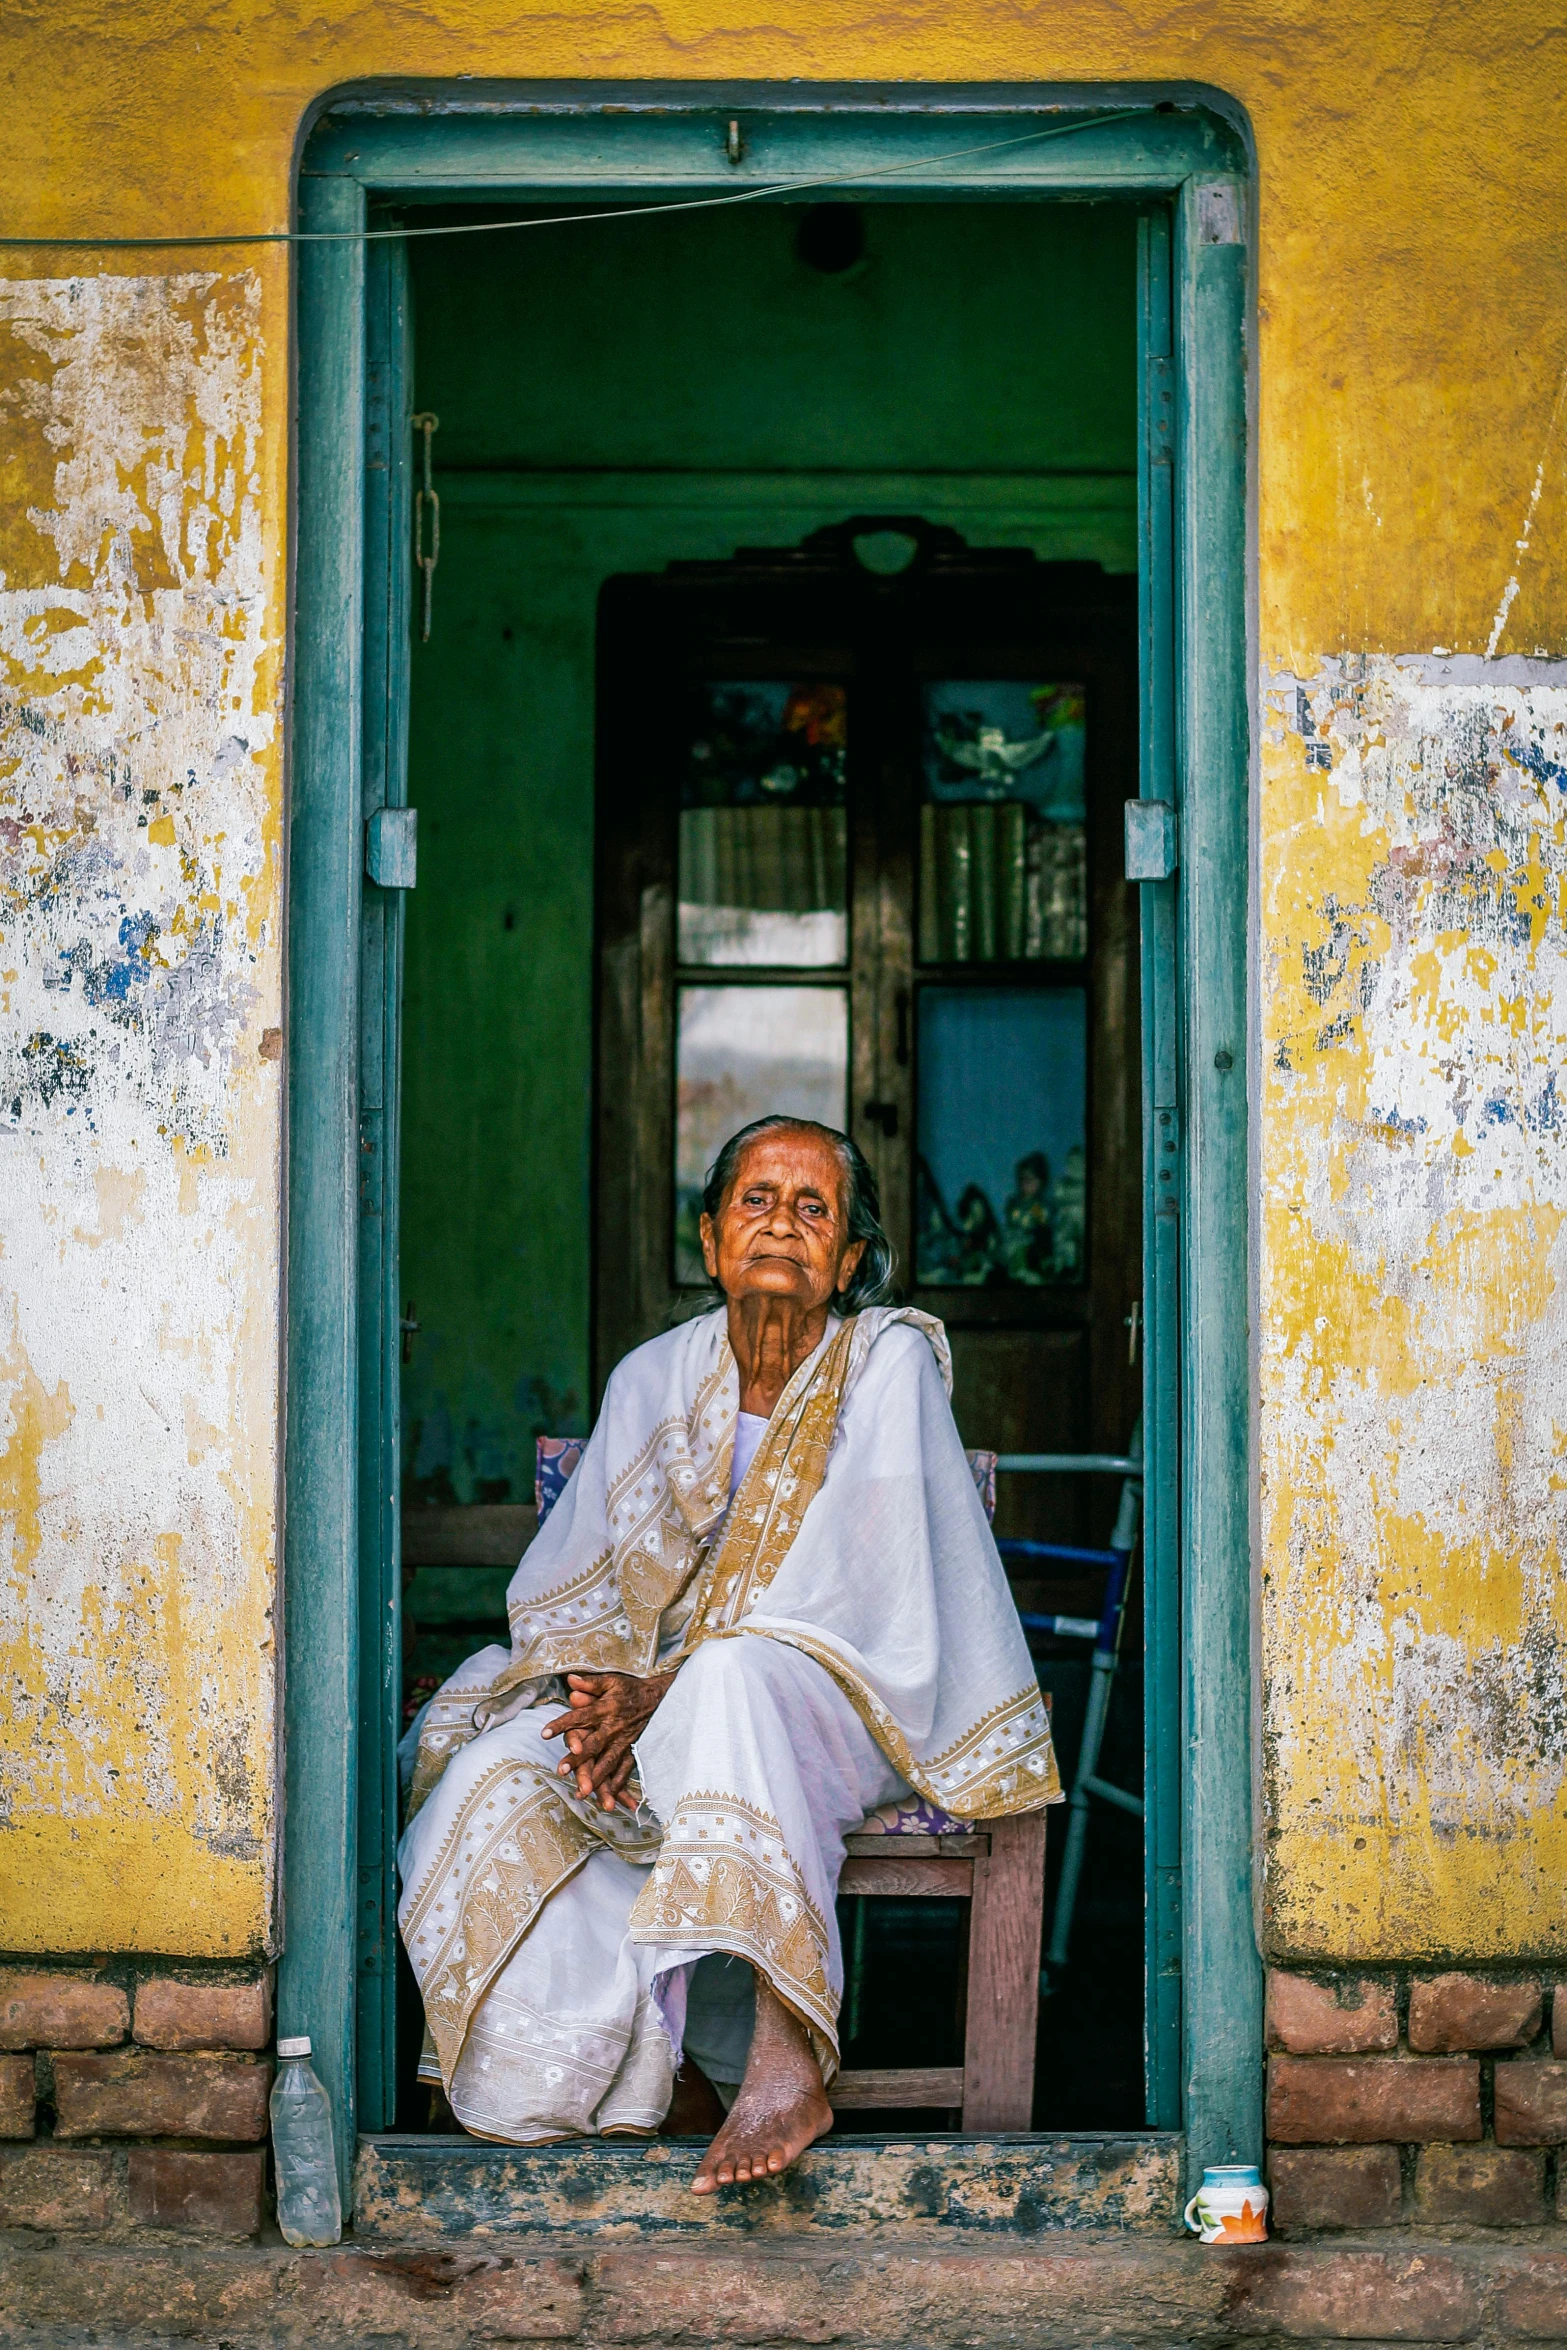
x=296, y=2047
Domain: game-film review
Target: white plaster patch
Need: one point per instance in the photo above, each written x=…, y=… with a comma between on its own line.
x=1467, y=1723
x=1449, y=975
x=139, y=1123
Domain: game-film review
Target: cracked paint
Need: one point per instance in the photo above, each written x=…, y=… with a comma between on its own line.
x=139, y=1118
x=1413, y=1398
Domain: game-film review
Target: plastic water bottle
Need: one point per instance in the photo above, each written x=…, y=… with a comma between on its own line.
x=309, y=2208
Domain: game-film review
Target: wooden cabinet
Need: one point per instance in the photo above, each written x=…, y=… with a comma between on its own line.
x=859, y=854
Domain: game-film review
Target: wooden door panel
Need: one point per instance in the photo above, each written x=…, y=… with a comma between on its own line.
x=1026, y=1391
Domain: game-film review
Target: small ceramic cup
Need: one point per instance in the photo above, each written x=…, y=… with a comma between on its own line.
x=1231, y=2205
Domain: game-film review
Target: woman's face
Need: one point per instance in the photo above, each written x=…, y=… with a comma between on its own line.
x=781, y=1229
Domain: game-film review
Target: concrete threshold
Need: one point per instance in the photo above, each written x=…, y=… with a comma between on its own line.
x=440, y=2189
x=973, y=2290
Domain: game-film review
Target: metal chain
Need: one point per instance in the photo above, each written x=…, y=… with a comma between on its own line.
x=427, y=422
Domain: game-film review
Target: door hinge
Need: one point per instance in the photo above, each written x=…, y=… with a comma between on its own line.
x=392, y=847
x=1166, y=1161
x=1150, y=840
x=1159, y=398
x=1219, y=213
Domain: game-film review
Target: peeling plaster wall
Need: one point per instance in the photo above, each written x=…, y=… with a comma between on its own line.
x=1414, y=1366
x=1411, y=243
x=139, y=1119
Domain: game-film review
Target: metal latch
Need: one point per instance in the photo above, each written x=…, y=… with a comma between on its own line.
x=392, y=847
x=1150, y=840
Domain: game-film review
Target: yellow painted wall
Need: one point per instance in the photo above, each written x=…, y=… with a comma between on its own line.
x=1411, y=235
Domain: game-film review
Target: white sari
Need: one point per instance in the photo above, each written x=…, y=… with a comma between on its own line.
x=843, y=1631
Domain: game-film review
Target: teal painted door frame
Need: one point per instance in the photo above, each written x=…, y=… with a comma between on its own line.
x=320, y=1611
x=387, y=582
x=1162, y=1205
x=1187, y=171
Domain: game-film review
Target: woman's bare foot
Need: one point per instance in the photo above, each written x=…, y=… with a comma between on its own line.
x=782, y=2107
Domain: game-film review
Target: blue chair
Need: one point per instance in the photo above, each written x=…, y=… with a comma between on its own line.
x=1105, y=1633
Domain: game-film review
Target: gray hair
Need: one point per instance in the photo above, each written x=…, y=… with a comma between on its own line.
x=871, y=1282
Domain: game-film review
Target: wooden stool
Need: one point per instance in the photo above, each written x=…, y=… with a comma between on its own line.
x=999, y=1868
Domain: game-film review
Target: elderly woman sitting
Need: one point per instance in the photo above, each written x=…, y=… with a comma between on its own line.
x=770, y=1599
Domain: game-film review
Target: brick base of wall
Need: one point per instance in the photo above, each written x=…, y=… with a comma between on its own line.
x=1425, y=2100
x=133, y=2101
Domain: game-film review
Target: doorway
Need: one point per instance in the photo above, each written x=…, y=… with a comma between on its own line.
x=1043, y=514
x=848, y=813
x=859, y=857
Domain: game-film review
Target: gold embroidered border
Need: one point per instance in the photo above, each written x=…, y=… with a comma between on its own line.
x=532, y=1845
x=991, y=1788
x=1020, y=1726
x=656, y=1543
x=450, y=1721
x=429, y=1763
x=593, y=1639
x=710, y=1455
x=653, y=1557
x=784, y=1478
x=579, y=1592
x=725, y=1880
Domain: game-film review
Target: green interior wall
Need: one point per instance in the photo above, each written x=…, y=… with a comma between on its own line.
x=613, y=397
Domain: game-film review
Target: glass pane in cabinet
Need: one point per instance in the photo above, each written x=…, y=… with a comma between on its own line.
x=1003, y=863
x=1000, y=1181
x=740, y=1053
x=763, y=825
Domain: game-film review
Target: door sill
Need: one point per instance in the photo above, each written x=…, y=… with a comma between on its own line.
x=408, y=2187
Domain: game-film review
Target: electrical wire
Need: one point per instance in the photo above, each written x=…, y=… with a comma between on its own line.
x=477, y=228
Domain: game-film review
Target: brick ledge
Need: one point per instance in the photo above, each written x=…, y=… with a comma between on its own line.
x=970, y=2293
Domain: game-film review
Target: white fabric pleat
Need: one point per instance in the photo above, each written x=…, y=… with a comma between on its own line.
x=755, y=1758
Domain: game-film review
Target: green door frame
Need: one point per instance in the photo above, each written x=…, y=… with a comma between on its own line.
x=1186, y=168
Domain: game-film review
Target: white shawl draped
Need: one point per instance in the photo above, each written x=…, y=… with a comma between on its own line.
x=856, y=1536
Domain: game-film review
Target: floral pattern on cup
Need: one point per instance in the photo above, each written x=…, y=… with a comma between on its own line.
x=1231, y=2205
